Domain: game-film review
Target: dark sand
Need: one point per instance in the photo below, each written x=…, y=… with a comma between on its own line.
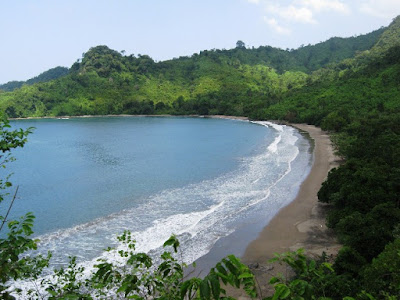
x=301, y=224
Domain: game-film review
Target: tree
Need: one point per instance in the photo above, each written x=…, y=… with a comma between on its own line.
x=310, y=279
x=384, y=272
x=240, y=44
x=16, y=241
x=140, y=278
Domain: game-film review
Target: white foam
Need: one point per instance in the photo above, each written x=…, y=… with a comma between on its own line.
x=275, y=126
x=274, y=146
x=199, y=214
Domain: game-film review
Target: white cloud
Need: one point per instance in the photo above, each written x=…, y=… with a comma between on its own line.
x=385, y=9
x=273, y=23
x=325, y=5
x=292, y=13
x=281, y=15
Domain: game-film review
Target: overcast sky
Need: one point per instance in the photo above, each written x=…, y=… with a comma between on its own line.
x=37, y=35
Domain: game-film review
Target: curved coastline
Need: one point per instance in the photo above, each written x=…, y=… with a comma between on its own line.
x=127, y=116
x=301, y=224
x=290, y=228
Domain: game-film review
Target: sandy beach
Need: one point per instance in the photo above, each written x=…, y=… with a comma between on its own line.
x=301, y=224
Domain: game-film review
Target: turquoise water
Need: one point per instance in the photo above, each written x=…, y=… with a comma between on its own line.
x=87, y=180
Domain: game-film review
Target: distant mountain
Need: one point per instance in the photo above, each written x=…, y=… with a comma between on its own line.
x=308, y=58
x=389, y=38
x=48, y=75
x=239, y=81
x=349, y=86
x=336, y=49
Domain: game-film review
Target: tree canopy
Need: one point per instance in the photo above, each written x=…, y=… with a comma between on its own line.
x=347, y=86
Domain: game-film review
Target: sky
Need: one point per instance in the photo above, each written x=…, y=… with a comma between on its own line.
x=37, y=35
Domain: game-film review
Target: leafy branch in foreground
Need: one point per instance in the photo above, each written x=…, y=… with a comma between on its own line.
x=309, y=280
x=15, y=241
x=132, y=275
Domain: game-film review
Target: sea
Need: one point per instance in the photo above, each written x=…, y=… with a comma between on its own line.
x=88, y=179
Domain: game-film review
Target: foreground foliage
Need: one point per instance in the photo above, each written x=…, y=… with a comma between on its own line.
x=133, y=276
x=15, y=235
x=357, y=100
x=136, y=276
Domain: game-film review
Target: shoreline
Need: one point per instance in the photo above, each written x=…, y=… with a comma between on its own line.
x=301, y=224
x=138, y=116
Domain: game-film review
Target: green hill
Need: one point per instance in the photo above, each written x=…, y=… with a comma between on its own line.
x=48, y=75
x=306, y=58
x=350, y=87
x=358, y=100
x=239, y=81
x=108, y=82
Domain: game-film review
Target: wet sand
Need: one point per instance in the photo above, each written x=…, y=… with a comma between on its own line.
x=301, y=224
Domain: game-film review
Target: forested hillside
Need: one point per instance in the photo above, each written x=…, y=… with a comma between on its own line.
x=239, y=81
x=350, y=87
x=360, y=105
x=48, y=75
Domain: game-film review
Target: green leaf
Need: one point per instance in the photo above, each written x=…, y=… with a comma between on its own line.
x=246, y=275
x=172, y=241
x=281, y=292
x=299, y=285
x=215, y=286
x=221, y=269
x=185, y=287
x=328, y=266
x=204, y=290
x=230, y=266
x=274, y=280
x=234, y=260
x=312, y=264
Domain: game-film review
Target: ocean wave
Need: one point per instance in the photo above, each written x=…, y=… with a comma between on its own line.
x=195, y=209
x=199, y=214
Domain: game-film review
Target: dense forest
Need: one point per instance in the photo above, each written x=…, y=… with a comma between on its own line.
x=350, y=87
x=239, y=81
x=48, y=75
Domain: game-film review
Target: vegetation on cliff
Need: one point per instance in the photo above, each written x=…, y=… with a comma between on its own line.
x=347, y=86
x=48, y=75
x=361, y=107
x=239, y=81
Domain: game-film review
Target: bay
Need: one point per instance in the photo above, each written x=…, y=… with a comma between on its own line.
x=88, y=179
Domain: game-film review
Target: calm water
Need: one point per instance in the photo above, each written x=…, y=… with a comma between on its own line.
x=89, y=179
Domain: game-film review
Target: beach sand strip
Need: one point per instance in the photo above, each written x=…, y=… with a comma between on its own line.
x=301, y=224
